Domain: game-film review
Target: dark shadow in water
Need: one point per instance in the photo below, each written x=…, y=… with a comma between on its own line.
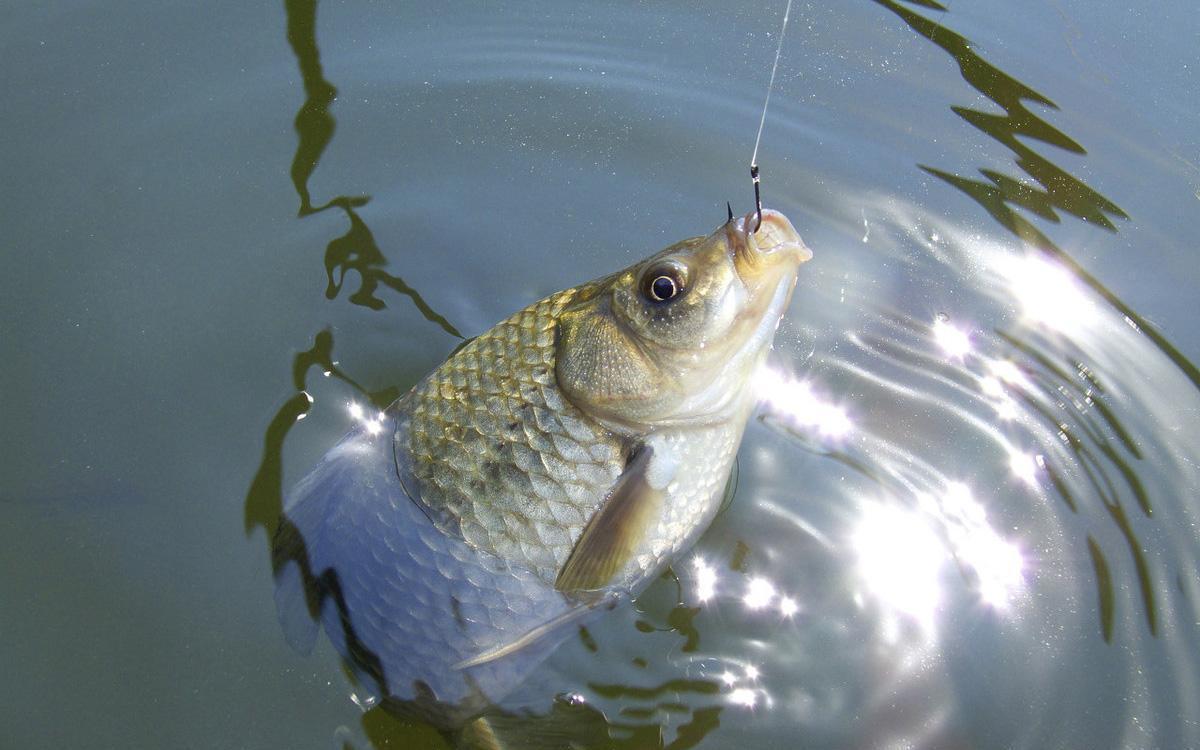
x=1059, y=189
x=680, y=618
x=1100, y=444
x=313, y=122
x=356, y=250
x=1105, y=585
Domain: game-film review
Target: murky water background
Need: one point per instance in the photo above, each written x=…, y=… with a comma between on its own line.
x=966, y=515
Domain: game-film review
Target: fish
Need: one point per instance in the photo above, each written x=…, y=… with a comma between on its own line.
x=548, y=470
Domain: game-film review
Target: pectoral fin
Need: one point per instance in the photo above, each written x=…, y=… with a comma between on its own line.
x=614, y=532
x=575, y=614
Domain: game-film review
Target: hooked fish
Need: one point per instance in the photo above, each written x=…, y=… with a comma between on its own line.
x=548, y=468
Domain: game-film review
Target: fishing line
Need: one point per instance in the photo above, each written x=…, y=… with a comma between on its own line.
x=758, y=138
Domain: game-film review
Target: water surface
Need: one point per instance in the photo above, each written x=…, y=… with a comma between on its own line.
x=966, y=513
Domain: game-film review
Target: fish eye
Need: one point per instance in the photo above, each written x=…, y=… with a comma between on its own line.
x=663, y=283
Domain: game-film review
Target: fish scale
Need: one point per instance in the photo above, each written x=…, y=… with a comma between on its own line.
x=497, y=452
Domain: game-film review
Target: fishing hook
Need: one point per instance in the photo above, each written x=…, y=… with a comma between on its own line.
x=787, y=11
x=757, y=196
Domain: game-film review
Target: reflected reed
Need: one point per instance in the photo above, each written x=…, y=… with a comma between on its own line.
x=356, y=250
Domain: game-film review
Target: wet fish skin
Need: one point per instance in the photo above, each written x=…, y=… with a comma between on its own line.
x=516, y=441
x=495, y=452
x=562, y=457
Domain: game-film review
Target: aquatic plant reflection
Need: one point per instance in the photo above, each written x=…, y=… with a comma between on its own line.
x=357, y=249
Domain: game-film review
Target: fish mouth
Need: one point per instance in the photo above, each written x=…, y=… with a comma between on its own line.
x=767, y=255
x=758, y=244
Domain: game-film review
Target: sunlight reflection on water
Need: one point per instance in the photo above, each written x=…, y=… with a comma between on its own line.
x=1049, y=295
x=796, y=401
x=966, y=490
x=902, y=551
x=954, y=341
x=372, y=423
x=899, y=561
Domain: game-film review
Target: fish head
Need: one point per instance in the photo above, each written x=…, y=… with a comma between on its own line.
x=674, y=339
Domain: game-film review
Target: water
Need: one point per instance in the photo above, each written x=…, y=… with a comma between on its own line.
x=966, y=514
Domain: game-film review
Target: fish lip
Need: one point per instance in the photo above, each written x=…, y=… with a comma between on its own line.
x=774, y=238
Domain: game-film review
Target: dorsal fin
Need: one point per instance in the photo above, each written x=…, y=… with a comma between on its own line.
x=614, y=532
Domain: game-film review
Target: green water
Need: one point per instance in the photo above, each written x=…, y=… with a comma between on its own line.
x=977, y=528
